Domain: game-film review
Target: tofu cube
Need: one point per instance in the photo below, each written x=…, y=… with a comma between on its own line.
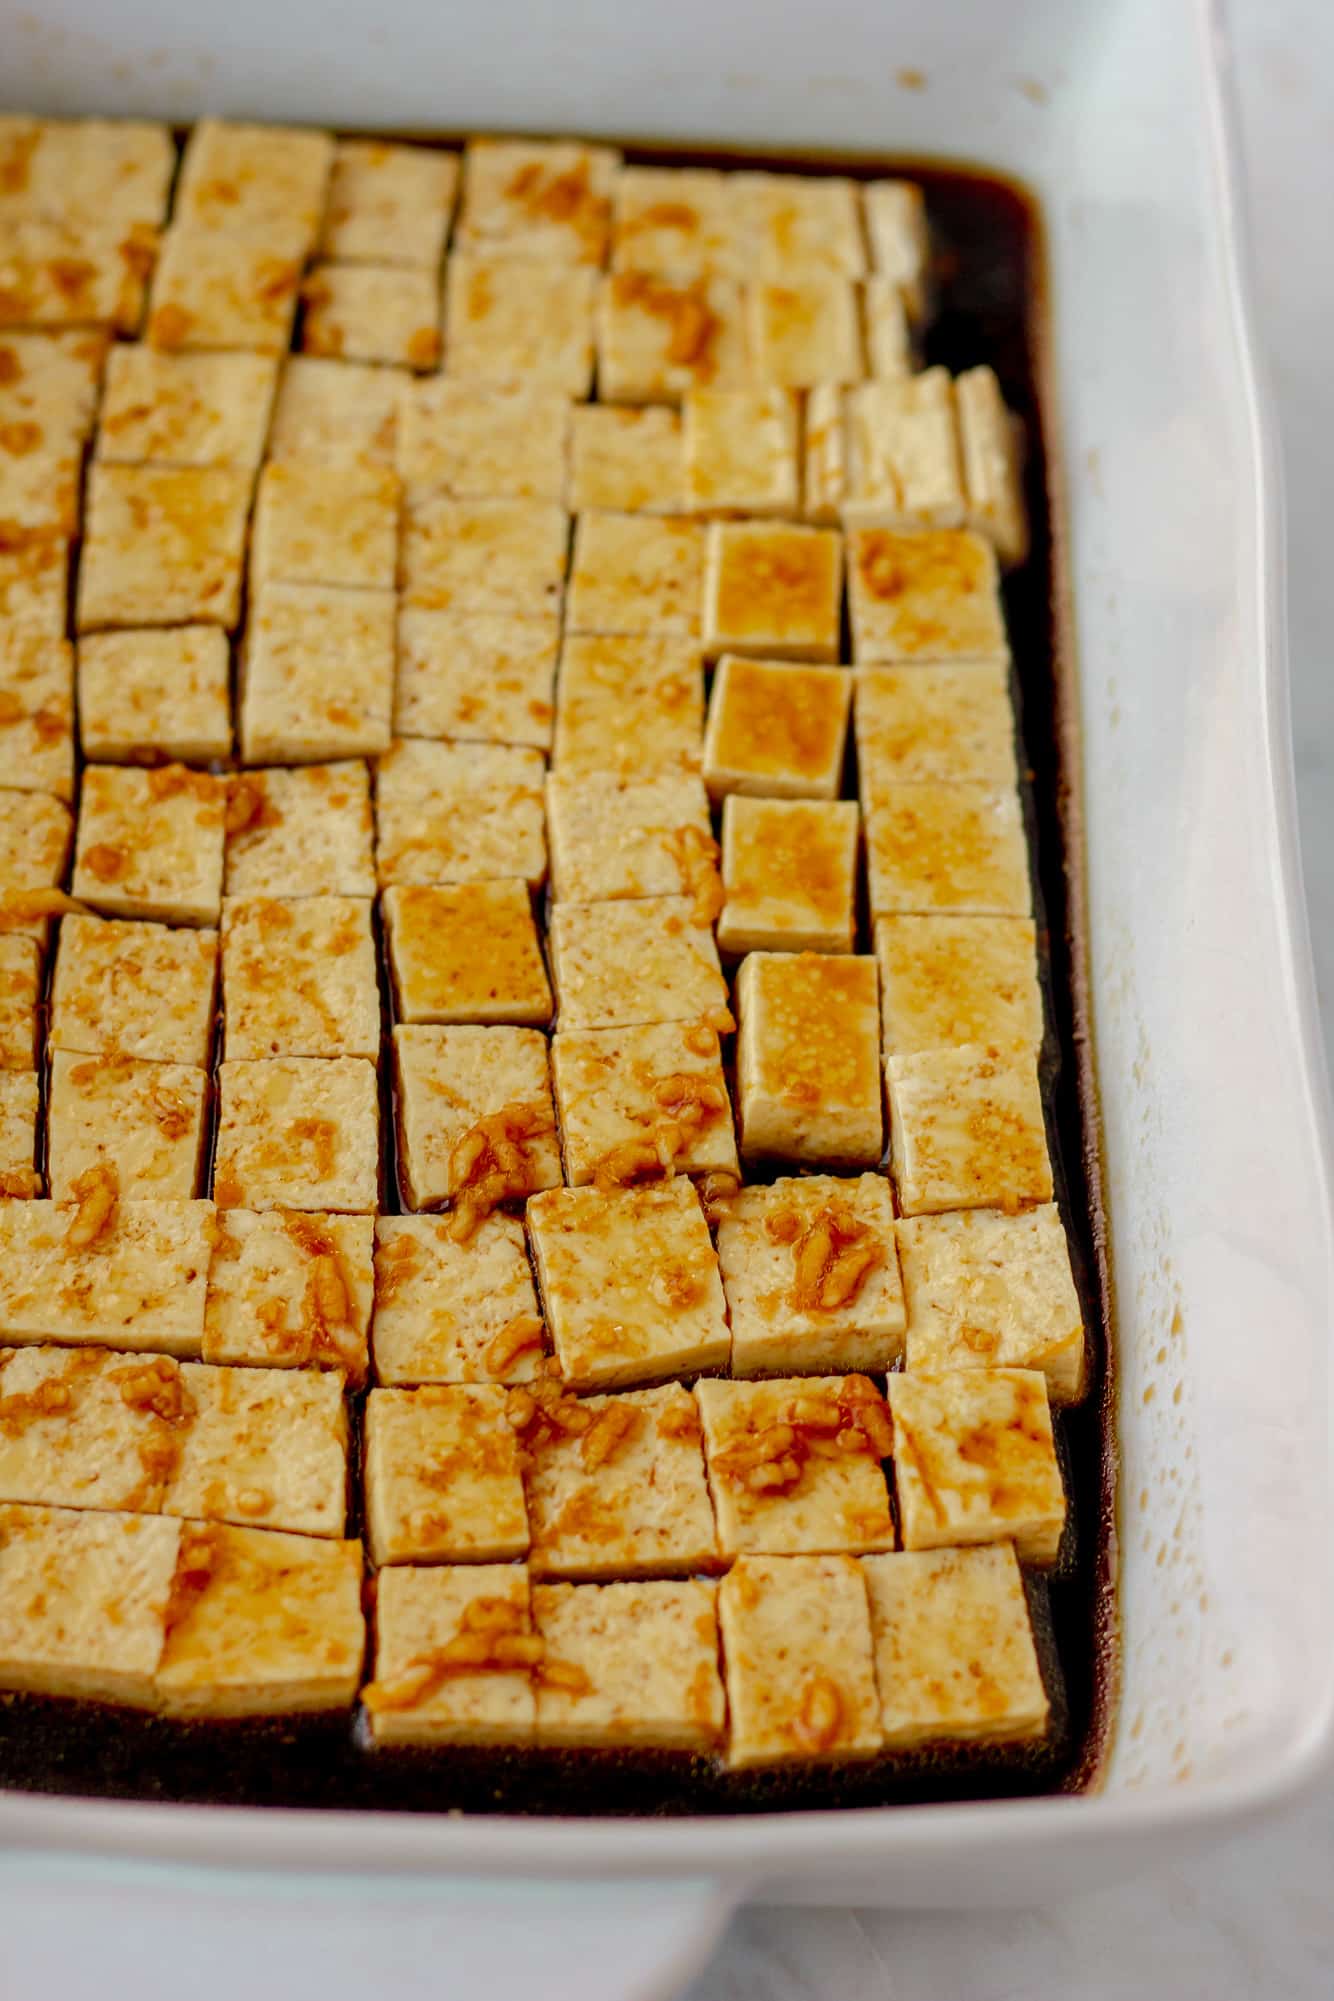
x=83, y=1602
x=34, y=586
x=630, y=706
x=265, y=1448
x=630, y=1284
x=512, y=320
x=659, y=336
x=454, y=1653
x=335, y=412
x=954, y=1654
x=626, y=460
x=967, y=1130
x=476, y=676
x=160, y=692
x=985, y=1290
x=223, y=289
x=686, y=221
x=19, y=1111
x=776, y=730
x=466, y=951
x=443, y=1483
x=131, y=1275
x=794, y=1464
x=904, y=468
x=289, y=1291
x=385, y=313
x=642, y=959
x=39, y=491
x=20, y=986
x=802, y=223
x=163, y=546
x=88, y=1428
x=950, y=980
x=811, y=1275
x=958, y=849
x=638, y=573
x=635, y=1103
x=900, y=241
x=143, y=1121
x=808, y=1059
x=321, y=524
x=975, y=1461
x=299, y=977
x=74, y=271
x=629, y=1665
x=482, y=440
x=541, y=199
x=450, y=1312
x=789, y=875
x=119, y=168
x=741, y=452
x=483, y=555
x=49, y=386
x=888, y=329
x=799, y=1661
x=950, y=724
x=307, y=832
x=36, y=714
x=35, y=833
x=772, y=590
x=614, y=837
x=451, y=812
x=475, y=1122
x=805, y=330
x=317, y=675
x=990, y=444
x=185, y=409
x=239, y=177
x=150, y=843
x=389, y=204
x=298, y=1132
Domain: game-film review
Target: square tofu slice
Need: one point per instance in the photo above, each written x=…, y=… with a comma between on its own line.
x=518, y=321
x=772, y=590
x=628, y=460
x=20, y=985
x=307, y=832
x=449, y=1312
x=688, y=221
x=36, y=714
x=975, y=1461
x=83, y=1602
x=924, y=597
x=630, y=1283
x=993, y=473
x=967, y=1130
x=119, y=167
x=476, y=676
x=335, y=412
x=19, y=1111
x=123, y=1275
x=949, y=848
x=636, y=573
x=789, y=875
x=904, y=469
x=985, y=1289
x=952, y=724
x=389, y=204
x=383, y=313
x=638, y=959
x=454, y=1654
x=954, y=1654
x=143, y=1121
x=900, y=240
x=160, y=692
x=546, y=200
x=812, y=1276
x=298, y=1132
x=805, y=330
x=476, y=1125
x=223, y=289
x=34, y=846
x=631, y=706
x=807, y=1058
x=39, y=491
x=629, y=1665
x=299, y=977
x=483, y=555
x=150, y=843
x=616, y=1485
x=799, y=1661
x=483, y=440
x=163, y=546
x=459, y=812
x=802, y=223
x=49, y=385
x=741, y=452
x=635, y=1103
x=34, y=579
x=776, y=730
x=185, y=409
x=950, y=980
x=466, y=951
x=322, y=524
x=613, y=838
x=88, y=1428
x=74, y=271
x=443, y=1483
x=263, y=1624
x=265, y=1448
x=248, y=177
x=658, y=337
x=317, y=674
x=794, y=1465
x=288, y=1291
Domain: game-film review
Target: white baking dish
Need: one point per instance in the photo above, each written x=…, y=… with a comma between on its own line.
x=1207, y=1055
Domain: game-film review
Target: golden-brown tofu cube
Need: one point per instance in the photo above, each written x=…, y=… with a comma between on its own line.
x=290, y=1290
x=808, y=1058
x=317, y=674
x=948, y=980
x=299, y=977
x=519, y=320
x=541, y=199
x=476, y=676
x=188, y=409
x=468, y=812
x=163, y=546
x=307, y=832
x=974, y=1461
x=476, y=1125
x=789, y=875
x=967, y=1130
x=635, y=1103
x=144, y=1121
x=389, y=204
x=454, y=1655
x=637, y=959
x=640, y=573
x=629, y=705
x=772, y=590
x=794, y=1464
x=775, y=729
x=947, y=848
x=658, y=337
x=265, y=1448
x=123, y=1274
x=84, y=1597
x=466, y=951
x=383, y=313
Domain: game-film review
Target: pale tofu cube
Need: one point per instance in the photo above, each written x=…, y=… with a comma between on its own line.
x=335, y=412
x=452, y=1312
x=307, y=832
x=631, y=706
x=952, y=723
x=265, y=1448
x=383, y=313
x=802, y=223
x=630, y=1665
x=954, y=1654
x=954, y=848
x=776, y=730
x=794, y=1465
x=476, y=1125
x=808, y=1065
x=616, y=1486
x=658, y=337
x=299, y=977
x=298, y=1132
x=49, y=385
x=74, y=271
x=451, y=812
x=144, y=1122
x=638, y=959
x=118, y=168
x=799, y=1661
x=34, y=586
x=549, y=200
x=806, y=330
x=389, y=204
x=741, y=452
x=89, y=1428
x=19, y=1110
x=223, y=289
x=904, y=469
x=239, y=177
x=20, y=986
x=984, y=1290
x=162, y=692
x=264, y=1624
x=900, y=240
x=35, y=833
x=615, y=837
x=317, y=674
x=511, y=320
x=484, y=555
x=483, y=440
x=36, y=714
x=688, y=222
x=635, y=1103
x=83, y=1602
x=185, y=409
x=321, y=524
x=772, y=590
x=289, y=1291
x=630, y=1283
x=39, y=491
x=627, y=460
x=454, y=1653
x=466, y=952
x=163, y=546
x=476, y=676
x=990, y=442
x=638, y=573
x=967, y=1130
x=975, y=1461
x=150, y=843
x=924, y=598
x=443, y=1479
x=812, y=1276
x=789, y=875
x=889, y=349
x=950, y=980
x=133, y=1277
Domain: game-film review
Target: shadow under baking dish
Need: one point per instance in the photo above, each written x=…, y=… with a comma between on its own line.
x=993, y=307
